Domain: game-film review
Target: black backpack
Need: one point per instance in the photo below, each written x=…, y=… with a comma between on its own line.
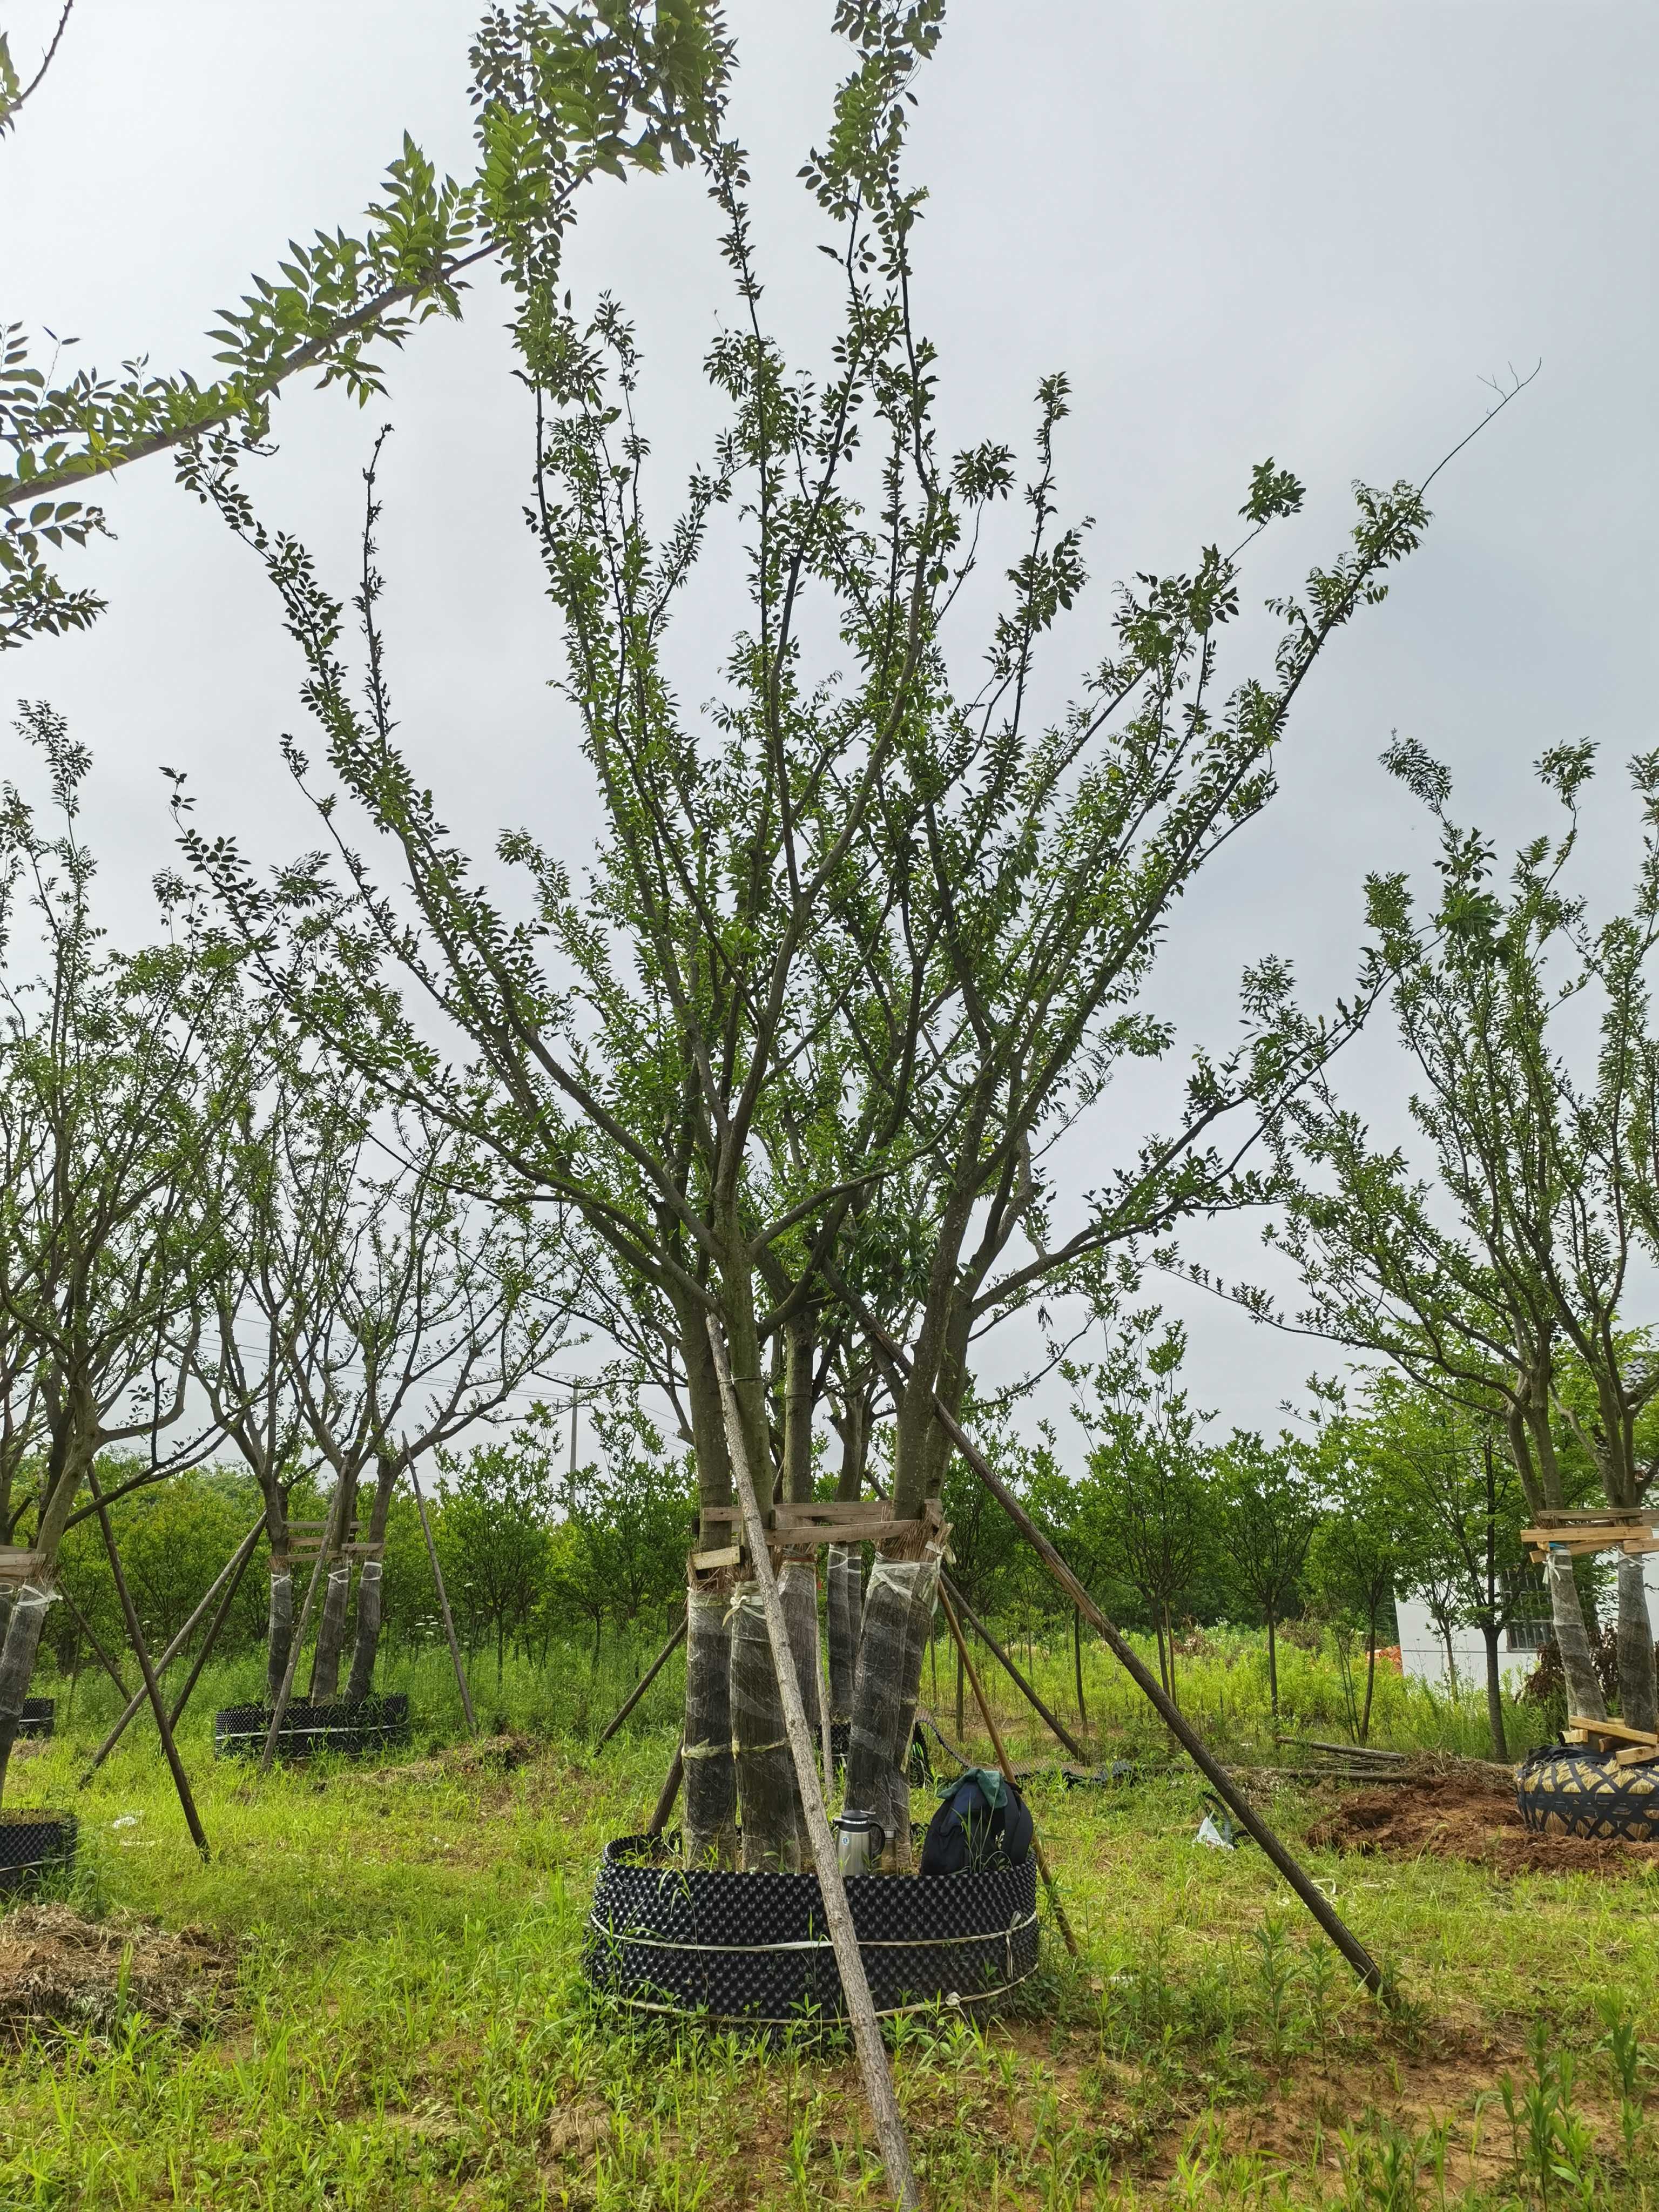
x=982, y=1823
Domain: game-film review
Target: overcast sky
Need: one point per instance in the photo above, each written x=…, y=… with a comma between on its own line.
x=1310, y=231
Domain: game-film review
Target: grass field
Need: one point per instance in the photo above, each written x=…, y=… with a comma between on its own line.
x=404, y=2022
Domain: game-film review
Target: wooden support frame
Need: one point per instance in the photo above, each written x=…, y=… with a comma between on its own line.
x=1582, y=1533
x=18, y=1567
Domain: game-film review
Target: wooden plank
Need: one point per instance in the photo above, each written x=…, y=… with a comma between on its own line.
x=1597, y=1517
x=841, y=1512
x=729, y=1555
x=1617, y=1729
x=20, y=1567
x=1635, y=1754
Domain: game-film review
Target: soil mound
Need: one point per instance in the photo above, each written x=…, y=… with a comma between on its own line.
x=1450, y=1813
x=58, y=1969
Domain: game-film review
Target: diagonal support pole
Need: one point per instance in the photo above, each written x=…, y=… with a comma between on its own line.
x=866, y=2032
x=1170, y=1714
x=993, y=1731
x=325, y=1551
x=238, y=1558
x=644, y=1682
x=210, y=1639
x=153, y=1688
x=1318, y=1905
x=1057, y=1726
x=98, y=1650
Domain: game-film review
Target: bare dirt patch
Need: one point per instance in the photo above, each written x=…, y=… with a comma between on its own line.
x=1456, y=1813
x=58, y=1969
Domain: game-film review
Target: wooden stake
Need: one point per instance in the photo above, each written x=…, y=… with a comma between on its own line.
x=1169, y=1713
x=141, y=1652
x=867, y=2031
x=644, y=1683
x=443, y=1604
x=980, y=1699
x=238, y=1558
x=1057, y=1726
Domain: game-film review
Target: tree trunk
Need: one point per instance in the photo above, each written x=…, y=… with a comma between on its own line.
x=960, y=1716
x=279, y=1631
x=1500, y=1750
x=331, y=1632
x=1370, y=1682
x=1163, y=1663
x=767, y=1789
x=371, y=1587
x=1635, y=1675
x=845, y=1576
x=711, y=1784
x=898, y=1614
x=1169, y=1631
x=1572, y=1641
x=1272, y=1665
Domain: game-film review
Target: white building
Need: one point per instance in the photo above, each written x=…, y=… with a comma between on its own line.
x=1423, y=1649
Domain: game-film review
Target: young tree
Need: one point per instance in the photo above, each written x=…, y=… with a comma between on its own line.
x=1460, y=1511
x=1269, y=1511
x=838, y=935
x=118, y=1074
x=494, y=1535
x=1355, y=1555
x=1149, y=1489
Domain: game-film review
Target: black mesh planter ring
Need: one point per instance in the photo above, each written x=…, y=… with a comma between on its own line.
x=755, y=1949
x=1567, y=1789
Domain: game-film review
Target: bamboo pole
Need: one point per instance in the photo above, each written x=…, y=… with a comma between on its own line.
x=238, y=1558
x=1056, y=1726
x=443, y=1603
x=867, y=2031
x=153, y=1688
x=644, y=1683
x=208, y=1643
x=1169, y=1713
x=991, y=1729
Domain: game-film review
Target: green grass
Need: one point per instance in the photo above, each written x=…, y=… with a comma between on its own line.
x=410, y=2027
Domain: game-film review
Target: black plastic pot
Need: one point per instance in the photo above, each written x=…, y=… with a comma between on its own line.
x=39, y=1717
x=34, y=1844
x=1567, y=1789
x=755, y=1949
x=352, y=1728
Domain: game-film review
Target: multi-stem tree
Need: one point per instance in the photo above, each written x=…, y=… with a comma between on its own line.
x=1520, y=1249
x=119, y=1074
x=842, y=940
